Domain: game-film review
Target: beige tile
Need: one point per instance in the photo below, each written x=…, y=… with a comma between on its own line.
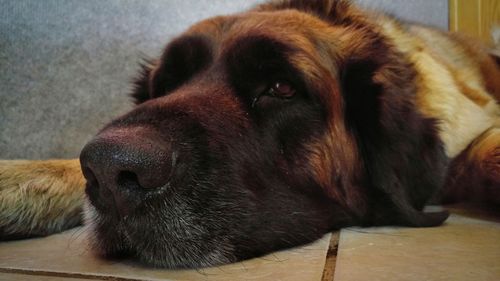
x=465, y=248
x=68, y=253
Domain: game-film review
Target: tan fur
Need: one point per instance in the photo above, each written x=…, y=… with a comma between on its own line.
x=458, y=85
x=40, y=197
x=489, y=67
x=451, y=87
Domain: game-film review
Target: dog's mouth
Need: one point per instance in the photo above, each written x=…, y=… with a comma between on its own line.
x=180, y=224
x=171, y=236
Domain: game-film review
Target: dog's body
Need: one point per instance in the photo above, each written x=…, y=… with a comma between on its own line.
x=267, y=129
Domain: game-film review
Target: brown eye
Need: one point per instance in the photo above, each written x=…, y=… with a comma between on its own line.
x=281, y=90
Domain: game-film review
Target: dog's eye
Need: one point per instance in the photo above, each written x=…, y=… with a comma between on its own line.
x=278, y=89
x=281, y=90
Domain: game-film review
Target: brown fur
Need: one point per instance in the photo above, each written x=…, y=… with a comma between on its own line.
x=475, y=174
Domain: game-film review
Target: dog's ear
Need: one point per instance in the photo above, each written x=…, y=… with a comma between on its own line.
x=403, y=157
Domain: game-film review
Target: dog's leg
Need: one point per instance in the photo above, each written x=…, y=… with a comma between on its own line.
x=38, y=198
x=475, y=174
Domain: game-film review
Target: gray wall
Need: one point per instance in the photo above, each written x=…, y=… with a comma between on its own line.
x=65, y=65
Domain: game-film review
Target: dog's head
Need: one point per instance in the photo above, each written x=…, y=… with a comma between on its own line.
x=260, y=131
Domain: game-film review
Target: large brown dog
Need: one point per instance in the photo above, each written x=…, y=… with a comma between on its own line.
x=267, y=129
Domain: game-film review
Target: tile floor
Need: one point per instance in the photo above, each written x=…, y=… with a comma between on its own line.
x=467, y=247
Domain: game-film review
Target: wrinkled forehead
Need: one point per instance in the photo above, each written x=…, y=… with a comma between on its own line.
x=302, y=35
x=290, y=27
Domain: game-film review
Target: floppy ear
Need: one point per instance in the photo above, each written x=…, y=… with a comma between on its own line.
x=402, y=154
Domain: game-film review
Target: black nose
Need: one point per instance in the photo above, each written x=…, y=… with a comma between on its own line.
x=121, y=165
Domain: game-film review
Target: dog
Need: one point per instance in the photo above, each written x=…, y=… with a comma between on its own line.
x=265, y=130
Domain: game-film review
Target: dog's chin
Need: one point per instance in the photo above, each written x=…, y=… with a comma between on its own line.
x=186, y=259
x=119, y=240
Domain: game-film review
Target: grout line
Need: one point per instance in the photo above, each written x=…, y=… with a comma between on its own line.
x=331, y=257
x=64, y=274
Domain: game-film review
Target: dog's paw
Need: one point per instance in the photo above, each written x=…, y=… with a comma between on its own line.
x=38, y=198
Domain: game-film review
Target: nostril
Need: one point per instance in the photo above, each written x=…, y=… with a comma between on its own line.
x=92, y=187
x=90, y=177
x=128, y=180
